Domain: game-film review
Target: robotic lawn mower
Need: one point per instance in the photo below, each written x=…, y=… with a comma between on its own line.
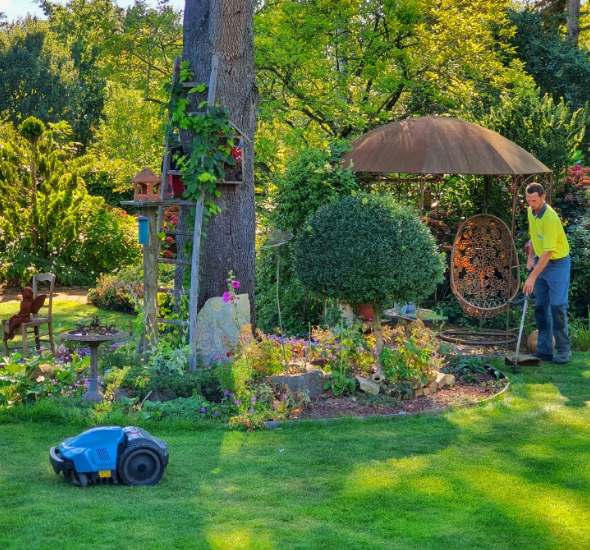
x=130, y=455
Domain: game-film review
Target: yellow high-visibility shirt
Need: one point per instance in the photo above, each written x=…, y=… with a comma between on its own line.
x=547, y=234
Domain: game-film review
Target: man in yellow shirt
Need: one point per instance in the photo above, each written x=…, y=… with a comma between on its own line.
x=549, y=265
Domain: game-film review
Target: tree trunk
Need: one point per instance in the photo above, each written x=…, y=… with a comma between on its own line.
x=573, y=21
x=225, y=28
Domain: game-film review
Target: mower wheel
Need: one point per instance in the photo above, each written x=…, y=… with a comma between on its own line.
x=140, y=465
x=79, y=480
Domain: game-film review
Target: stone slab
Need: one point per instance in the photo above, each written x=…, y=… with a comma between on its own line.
x=220, y=325
x=311, y=381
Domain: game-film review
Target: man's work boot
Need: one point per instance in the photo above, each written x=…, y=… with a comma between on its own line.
x=562, y=358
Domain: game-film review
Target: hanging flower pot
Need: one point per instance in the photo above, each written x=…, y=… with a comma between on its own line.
x=176, y=184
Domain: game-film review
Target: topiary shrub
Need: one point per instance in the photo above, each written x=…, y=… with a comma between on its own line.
x=367, y=249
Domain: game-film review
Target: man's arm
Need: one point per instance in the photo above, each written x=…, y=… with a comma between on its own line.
x=529, y=285
x=530, y=264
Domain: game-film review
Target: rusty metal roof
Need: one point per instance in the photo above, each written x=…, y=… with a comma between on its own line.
x=146, y=176
x=439, y=145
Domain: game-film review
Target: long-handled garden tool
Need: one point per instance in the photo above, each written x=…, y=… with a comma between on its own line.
x=517, y=360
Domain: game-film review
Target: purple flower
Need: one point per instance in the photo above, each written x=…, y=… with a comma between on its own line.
x=284, y=396
x=237, y=402
x=275, y=406
x=236, y=284
x=216, y=358
x=254, y=400
x=216, y=413
x=226, y=297
x=232, y=395
x=203, y=409
x=250, y=411
x=225, y=392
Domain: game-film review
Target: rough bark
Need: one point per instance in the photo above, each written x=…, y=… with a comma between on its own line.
x=573, y=21
x=225, y=28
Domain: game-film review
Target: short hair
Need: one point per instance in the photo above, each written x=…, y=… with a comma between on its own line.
x=535, y=188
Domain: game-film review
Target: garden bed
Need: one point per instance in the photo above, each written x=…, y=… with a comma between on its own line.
x=328, y=406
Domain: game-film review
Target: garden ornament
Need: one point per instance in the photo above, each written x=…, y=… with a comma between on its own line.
x=28, y=306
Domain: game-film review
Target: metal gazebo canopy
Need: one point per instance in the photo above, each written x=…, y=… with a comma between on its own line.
x=437, y=146
x=440, y=145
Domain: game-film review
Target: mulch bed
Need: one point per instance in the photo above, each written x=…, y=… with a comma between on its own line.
x=329, y=406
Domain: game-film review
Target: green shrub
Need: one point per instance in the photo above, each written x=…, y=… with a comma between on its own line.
x=119, y=291
x=140, y=380
x=367, y=249
x=312, y=178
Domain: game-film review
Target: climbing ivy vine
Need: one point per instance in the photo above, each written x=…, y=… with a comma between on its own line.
x=210, y=149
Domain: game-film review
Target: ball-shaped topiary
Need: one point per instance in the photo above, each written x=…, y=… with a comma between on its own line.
x=367, y=249
x=32, y=129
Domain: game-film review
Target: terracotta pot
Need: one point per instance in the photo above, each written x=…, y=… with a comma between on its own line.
x=531, y=341
x=365, y=311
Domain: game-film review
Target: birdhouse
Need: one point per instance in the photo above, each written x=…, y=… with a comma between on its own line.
x=147, y=186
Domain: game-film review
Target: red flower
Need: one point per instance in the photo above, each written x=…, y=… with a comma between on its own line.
x=169, y=240
x=228, y=354
x=168, y=254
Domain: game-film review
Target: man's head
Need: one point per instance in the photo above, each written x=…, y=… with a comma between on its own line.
x=535, y=196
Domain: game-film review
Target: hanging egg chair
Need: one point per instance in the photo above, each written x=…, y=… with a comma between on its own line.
x=484, y=277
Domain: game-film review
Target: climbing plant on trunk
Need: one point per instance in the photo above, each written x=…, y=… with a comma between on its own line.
x=225, y=28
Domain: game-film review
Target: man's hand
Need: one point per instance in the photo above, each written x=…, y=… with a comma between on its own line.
x=529, y=285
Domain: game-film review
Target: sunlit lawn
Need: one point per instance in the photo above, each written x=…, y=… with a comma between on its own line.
x=514, y=473
x=65, y=315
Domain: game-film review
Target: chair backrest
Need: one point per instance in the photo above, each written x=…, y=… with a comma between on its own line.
x=44, y=278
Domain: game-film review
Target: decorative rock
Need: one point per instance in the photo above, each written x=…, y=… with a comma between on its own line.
x=368, y=386
x=447, y=382
x=415, y=383
x=419, y=393
x=426, y=391
x=311, y=381
x=45, y=370
x=432, y=377
x=220, y=325
x=439, y=381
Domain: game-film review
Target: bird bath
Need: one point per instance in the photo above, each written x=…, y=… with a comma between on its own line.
x=93, y=335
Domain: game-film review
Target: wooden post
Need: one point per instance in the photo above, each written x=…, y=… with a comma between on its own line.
x=151, y=252
x=194, y=297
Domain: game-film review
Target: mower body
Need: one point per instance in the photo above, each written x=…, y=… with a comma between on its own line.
x=111, y=453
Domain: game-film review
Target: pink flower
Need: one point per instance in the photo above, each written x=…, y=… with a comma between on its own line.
x=236, y=284
x=227, y=297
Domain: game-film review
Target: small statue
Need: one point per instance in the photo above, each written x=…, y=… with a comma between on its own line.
x=28, y=306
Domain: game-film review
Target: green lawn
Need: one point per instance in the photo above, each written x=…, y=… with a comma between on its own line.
x=514, y=473
x=65, y=315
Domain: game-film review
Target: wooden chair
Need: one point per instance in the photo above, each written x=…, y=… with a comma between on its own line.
x=38, y=320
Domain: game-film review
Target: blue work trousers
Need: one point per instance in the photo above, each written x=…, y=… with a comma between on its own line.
x=551, y=289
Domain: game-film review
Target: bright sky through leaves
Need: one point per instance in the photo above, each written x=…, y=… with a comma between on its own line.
x=14, y=9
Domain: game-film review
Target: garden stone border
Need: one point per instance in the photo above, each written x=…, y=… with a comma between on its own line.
x=273, y=424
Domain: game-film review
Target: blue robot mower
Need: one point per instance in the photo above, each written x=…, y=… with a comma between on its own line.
x=110, y=453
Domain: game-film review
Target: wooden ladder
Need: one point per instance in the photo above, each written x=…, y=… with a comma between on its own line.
x=195, y=234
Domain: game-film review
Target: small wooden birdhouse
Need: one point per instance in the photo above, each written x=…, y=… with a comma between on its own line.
x=147, y=186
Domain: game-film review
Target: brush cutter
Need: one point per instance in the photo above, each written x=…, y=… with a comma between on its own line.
x=517, y=360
